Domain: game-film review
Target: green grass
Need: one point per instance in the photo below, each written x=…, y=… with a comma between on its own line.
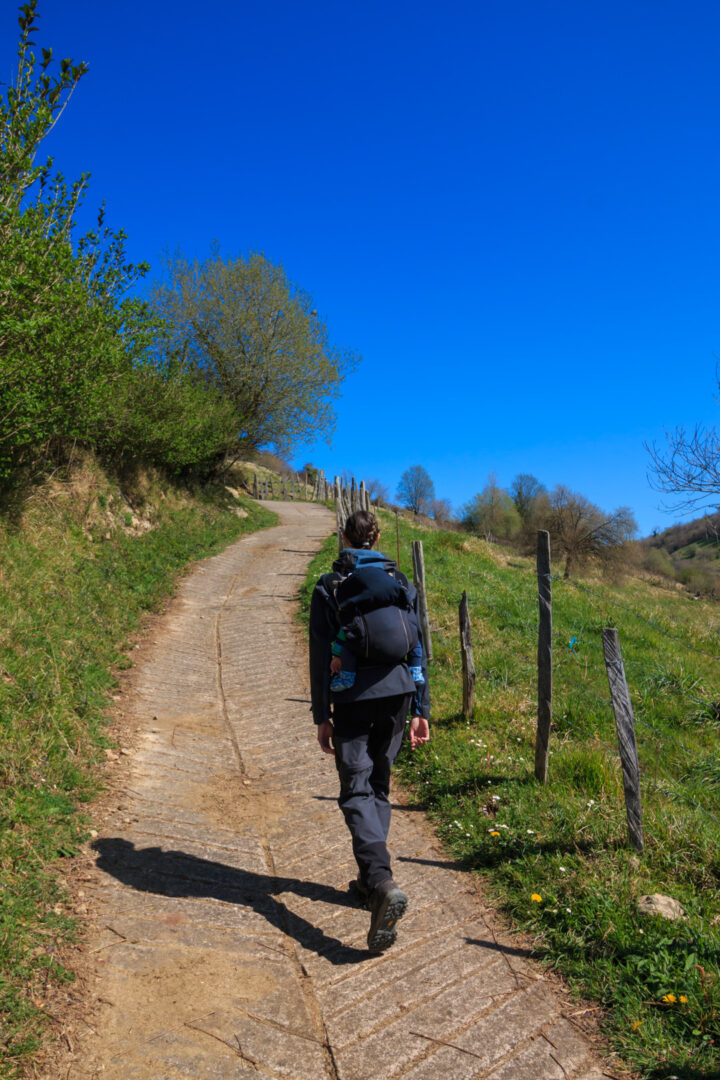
x=72, y=592
x=566, y=842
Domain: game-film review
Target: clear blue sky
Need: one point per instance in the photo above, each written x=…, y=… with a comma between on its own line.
x=509, y=209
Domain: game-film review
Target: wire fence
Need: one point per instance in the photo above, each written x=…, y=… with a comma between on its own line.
x=667, y=760
x=513, y=609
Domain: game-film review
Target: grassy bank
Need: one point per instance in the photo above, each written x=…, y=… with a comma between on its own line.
x=556, y=857
x=78, y=573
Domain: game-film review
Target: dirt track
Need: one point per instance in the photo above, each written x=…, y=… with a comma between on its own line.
x=222, y=940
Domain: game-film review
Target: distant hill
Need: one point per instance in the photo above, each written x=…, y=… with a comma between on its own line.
x=688, y=553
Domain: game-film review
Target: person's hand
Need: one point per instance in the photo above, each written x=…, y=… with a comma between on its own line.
x=335, y=665
x=324, y=737
x=419, y=731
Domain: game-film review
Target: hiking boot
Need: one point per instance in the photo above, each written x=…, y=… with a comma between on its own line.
x=360, y=893
x=387, y=905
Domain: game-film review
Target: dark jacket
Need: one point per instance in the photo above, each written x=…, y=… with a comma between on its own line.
x=373, y=680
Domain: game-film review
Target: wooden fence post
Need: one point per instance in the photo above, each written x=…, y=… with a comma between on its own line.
x=542, y=739
x=363, y=496
x=397, y=537
x=419, y=579
x=339, y=523
x=468, y=662
x=256, y=492
x=625, y=724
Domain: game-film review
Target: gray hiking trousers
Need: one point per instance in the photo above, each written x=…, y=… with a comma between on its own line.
x=367, y=736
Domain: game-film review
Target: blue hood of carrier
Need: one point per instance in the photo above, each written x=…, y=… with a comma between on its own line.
x=351, y=559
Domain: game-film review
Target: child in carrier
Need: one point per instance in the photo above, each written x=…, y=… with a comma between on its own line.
x=377, y=620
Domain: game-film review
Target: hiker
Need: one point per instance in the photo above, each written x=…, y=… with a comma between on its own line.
x=368, y=598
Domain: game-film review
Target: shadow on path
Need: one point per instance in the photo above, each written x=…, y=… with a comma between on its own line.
x=179, y=875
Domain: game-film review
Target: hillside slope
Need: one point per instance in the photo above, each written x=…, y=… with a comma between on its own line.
x=689, y=553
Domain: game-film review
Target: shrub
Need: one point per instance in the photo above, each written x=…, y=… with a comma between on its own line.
x=657, y=561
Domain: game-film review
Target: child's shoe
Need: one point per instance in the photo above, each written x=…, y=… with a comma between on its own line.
x=417, y=675
x=342, y=681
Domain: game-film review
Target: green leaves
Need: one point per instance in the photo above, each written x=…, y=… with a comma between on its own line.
x=241, y=326
x=74, y=346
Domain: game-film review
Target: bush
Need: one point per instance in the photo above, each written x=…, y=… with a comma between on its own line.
x=168, y=418
x=657, y=561
x=699, y=581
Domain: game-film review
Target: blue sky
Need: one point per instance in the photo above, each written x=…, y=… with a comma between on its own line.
x=509, y=209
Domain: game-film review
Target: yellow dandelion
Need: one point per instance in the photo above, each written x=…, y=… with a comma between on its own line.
x=669, y=998
x=636, y=1025
x=536, y=898
x=683, y=999
x=494, y=833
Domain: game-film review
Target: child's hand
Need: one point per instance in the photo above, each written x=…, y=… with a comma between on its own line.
x=335, y=665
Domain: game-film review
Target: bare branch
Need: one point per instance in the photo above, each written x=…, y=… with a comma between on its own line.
x=688, y=466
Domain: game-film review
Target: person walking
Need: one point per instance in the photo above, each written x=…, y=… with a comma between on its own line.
x=364, y=723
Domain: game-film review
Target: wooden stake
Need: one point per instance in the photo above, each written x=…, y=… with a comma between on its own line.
x=542, y=739
x=419, y=579
x=340, y=523
x=468, y=662
x=625, y=725
x=397, y=537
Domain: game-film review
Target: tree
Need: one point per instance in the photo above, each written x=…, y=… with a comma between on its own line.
x=416, y=490
x=689, y=466
x=75, y=349
x=247, y=330
x=492, y=513
x=67, y=334
x=582, y=530
x=525, y=492
x=441, y=510
x=377, y=491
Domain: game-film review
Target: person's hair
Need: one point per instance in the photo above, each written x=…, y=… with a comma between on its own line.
x=361, y=529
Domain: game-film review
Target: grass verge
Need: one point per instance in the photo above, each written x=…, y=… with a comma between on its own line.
x=76, y=580
x=556, y=857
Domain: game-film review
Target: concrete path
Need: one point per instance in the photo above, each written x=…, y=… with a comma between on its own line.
x=223, y=943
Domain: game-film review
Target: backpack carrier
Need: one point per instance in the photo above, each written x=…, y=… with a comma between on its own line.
x=376, y=614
